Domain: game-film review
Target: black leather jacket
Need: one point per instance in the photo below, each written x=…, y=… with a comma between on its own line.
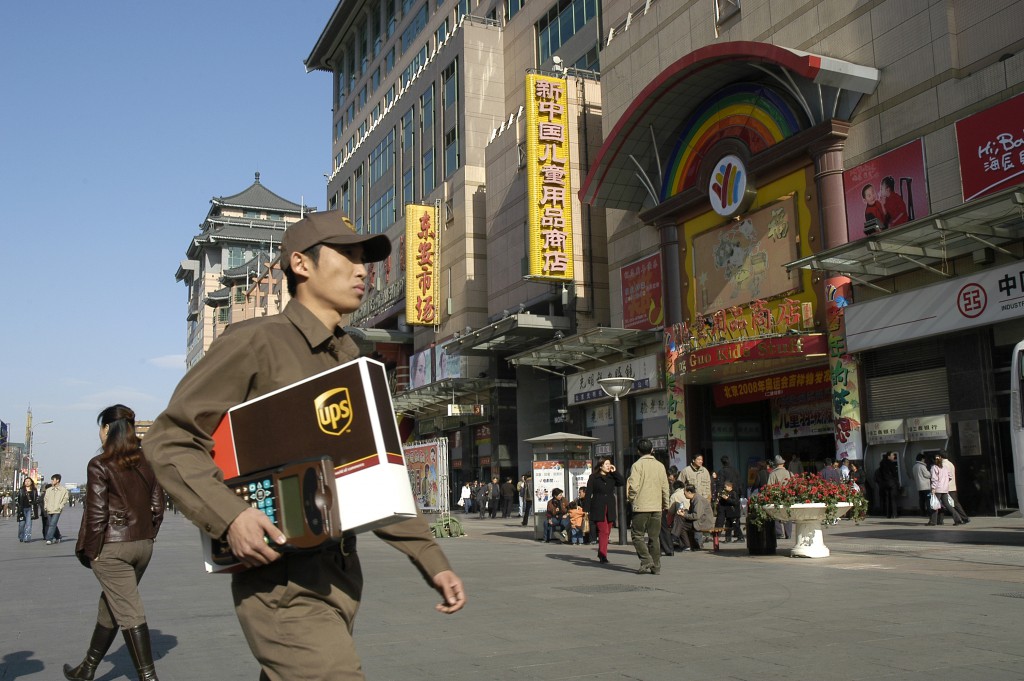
x=120, y=505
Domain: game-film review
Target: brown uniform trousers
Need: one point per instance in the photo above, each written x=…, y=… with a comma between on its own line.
x=297, y=615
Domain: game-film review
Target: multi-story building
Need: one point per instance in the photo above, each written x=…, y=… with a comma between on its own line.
x=831, y=191
x=767, y=193
x=430, y=110
x=238, y=240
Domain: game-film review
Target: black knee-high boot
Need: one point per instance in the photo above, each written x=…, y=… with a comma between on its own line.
x=98, y=647
x=137, y=640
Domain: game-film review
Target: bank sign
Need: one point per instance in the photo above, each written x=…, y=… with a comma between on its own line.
x=978, y=299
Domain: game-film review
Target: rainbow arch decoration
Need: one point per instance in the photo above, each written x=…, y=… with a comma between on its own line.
x=754, y=114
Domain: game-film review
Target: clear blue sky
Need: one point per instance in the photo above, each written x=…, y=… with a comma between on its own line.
x=118, y=122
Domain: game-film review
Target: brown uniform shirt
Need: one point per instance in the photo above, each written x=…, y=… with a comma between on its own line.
x=250, y=359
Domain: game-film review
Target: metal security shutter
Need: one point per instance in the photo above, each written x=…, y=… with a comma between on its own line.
x=905, y=380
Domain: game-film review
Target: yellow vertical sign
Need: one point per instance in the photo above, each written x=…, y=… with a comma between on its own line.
x=549, y=217
x=422, y=293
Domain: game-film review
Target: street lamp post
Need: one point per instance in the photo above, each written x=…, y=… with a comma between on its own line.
x=30, y=450
x=616, y=387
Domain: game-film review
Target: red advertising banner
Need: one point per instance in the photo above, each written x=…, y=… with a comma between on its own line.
x=991, y=148
x=777, y=385
x=765, y=348
x=643, y=305
x=887, y=191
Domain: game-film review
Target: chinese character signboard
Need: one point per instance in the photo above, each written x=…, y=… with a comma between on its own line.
x=812, y=379
x=547, y=179
x=885, y=432
x=983, y=298
x=887, y=191
x=422, y=292
x=991, y=148
x=642, y=302
x=802, y=415
x=422, y=462
x=647, y=373
x=928, y=428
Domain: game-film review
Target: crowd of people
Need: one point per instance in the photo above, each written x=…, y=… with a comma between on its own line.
x=696, y=502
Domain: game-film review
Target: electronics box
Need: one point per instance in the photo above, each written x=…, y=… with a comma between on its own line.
x=345, y=413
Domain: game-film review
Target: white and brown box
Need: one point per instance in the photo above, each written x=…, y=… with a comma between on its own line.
x=345, y=413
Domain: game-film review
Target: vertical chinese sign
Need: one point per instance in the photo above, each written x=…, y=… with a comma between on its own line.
x=548, y=188
x=844, y=373
x=422, y=293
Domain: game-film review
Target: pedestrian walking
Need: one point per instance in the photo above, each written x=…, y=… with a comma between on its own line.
x=601, y=504
x=123, y=511
x=527, y=497
x=940, y=490
x=27, y=503
x=923, y=481
x=508, y=495
x=647, y=490
x=296, y=609
x=54, y=500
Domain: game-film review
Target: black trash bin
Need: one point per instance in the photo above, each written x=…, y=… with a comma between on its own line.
x=761, y=540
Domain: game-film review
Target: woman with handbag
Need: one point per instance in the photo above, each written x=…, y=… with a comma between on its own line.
x=124, y=507
x=600, y=503
x=27, y=502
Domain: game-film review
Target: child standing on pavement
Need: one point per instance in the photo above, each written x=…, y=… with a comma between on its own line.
x=576, y=515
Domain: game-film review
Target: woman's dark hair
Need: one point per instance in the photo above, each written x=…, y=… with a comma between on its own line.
x=121, y=445
x=29, y=480
x=600, y=462
x=292, y=282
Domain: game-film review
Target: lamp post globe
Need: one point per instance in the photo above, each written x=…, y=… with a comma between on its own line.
x=616, y=387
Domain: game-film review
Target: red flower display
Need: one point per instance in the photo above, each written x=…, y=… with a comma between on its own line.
x=807, y=489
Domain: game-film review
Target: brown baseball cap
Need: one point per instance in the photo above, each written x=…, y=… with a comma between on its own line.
x=331, y=227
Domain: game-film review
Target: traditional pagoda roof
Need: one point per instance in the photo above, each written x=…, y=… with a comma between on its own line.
x=219, y=297
x=234, y=233
x=245, y=269
x=256, y=196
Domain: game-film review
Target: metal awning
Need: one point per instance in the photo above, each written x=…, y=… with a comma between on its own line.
x=991, y=222
x=511, y=334
x=596, y=345
x=367, y=339
x=434, y=398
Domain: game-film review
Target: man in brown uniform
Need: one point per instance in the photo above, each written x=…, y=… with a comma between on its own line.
x=296, y=610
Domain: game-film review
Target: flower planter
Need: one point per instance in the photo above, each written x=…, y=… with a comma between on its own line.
x=808, y=541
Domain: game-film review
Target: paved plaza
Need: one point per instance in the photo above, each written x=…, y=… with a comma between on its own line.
x=896, y=600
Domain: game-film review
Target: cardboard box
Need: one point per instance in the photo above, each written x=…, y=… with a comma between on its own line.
x=345, y=413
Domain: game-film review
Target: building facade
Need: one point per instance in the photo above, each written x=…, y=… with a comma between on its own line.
x=834, y=193
x=238, y=240
x=758, y=188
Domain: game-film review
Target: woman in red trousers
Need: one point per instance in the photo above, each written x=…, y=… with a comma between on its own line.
x=600, y=503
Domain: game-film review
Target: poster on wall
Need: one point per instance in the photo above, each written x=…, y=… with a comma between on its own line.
x=802, y=415
x=991, y=148
x=422, y=462
x=547, y=475
x=643, y=304
x=579, y=474
x=421, y=369
x=447, y=365
x=741, y=261
x=887, y=191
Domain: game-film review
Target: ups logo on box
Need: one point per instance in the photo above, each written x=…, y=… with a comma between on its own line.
x=334, y=411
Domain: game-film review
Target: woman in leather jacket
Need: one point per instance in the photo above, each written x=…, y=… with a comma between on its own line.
x=27, y=502
x=124, y=506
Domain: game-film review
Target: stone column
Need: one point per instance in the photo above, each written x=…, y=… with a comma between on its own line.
x=835, y=293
